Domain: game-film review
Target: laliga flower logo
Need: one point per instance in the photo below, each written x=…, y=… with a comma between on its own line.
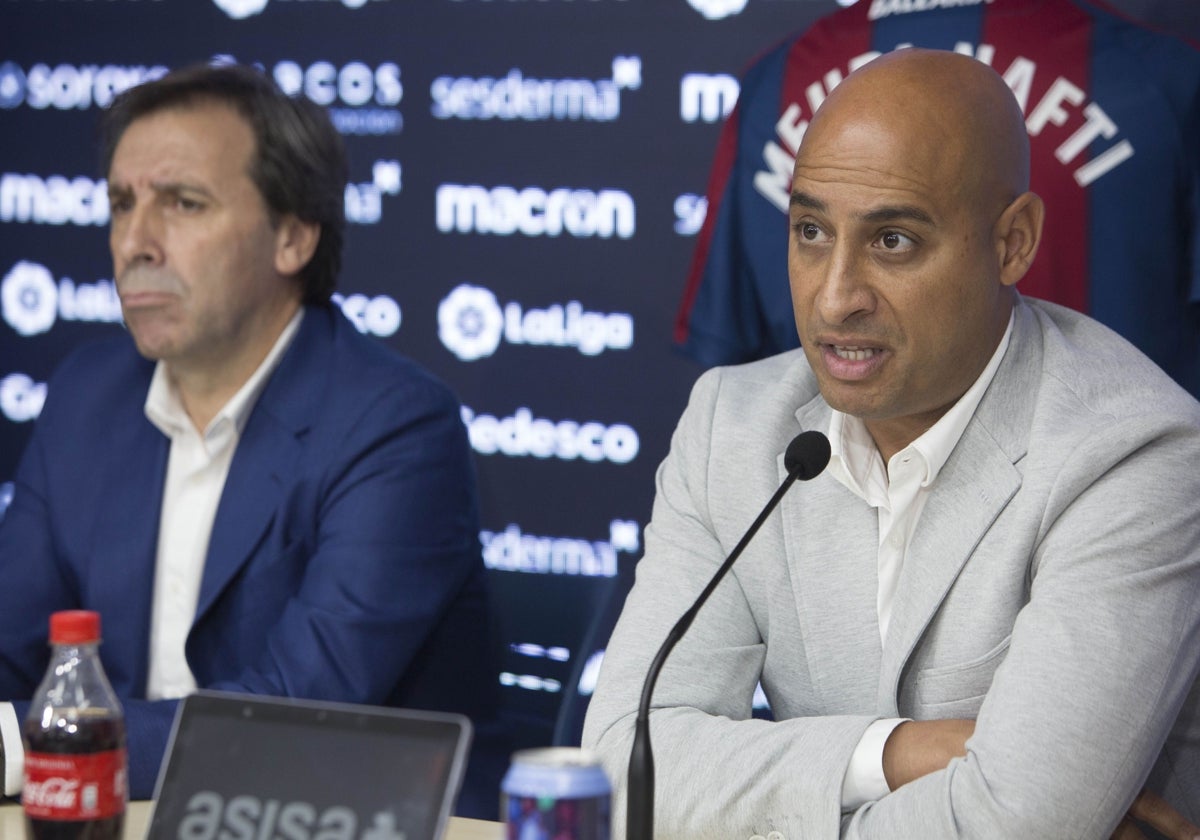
x=12, y=85
x=469, y=322
x=240, y=9
x=29, y=298
x=717, y=9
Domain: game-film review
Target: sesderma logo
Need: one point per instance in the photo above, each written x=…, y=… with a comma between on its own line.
x=471, y=324
x=511, y=550
x=517, y=96
x=532, y=211
x=31, y=301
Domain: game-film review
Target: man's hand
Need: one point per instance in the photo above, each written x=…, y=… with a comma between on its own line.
x=1152, y=810
x=918, y=747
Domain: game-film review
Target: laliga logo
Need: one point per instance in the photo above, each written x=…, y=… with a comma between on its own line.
x=471, y=325
x=470, y=322
x=12, y=85
x=718, y=9
x=29, y=298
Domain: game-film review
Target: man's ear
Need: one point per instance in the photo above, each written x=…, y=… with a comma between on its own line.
x=295, y=244
x=1018, y=234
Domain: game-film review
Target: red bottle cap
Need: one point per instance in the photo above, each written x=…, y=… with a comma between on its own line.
x=74, y=627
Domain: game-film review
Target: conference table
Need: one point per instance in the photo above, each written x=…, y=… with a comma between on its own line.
x=12, y=825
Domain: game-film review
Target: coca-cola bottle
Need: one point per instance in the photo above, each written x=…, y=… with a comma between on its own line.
x=75, y=786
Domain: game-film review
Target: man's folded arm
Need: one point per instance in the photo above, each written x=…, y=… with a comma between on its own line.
x=1101, y=659
x=395, y=543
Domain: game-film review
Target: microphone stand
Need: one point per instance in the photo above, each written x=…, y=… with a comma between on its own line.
x=639, y=815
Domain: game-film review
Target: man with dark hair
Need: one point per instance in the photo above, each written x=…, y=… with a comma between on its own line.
x=981, y=620
x=253, y=495
x=298, y=164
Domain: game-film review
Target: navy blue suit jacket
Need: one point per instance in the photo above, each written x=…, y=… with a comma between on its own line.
x=344, y=560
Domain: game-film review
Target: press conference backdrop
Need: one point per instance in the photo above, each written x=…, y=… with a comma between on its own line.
x=527, y=178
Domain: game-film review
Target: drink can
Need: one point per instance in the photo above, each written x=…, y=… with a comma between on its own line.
x=556, y=793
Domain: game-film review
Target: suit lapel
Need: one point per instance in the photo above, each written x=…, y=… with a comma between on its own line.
x=972, y=489
x=124, y=542
x=977, y=482
x=267, y=457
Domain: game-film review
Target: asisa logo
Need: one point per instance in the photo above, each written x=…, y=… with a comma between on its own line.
x=31, y=301
x=471, y=324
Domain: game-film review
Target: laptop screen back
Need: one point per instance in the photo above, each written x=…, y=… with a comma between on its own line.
x=243, y=766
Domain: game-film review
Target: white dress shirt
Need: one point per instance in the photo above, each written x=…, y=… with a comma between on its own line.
x=898, y=494
x=196, y=469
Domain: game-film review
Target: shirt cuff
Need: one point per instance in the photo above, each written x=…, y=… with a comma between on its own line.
x=864, y=781
x=14, y=750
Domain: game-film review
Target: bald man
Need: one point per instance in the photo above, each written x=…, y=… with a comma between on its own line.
x=983, y=619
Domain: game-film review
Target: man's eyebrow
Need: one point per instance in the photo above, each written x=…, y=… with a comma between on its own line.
x=161, y=188
x=803, y=199
x=901, y=212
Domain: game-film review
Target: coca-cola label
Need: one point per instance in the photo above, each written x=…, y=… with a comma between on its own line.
x=82, y=786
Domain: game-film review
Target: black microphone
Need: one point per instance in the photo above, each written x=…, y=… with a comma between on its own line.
x=805, y=458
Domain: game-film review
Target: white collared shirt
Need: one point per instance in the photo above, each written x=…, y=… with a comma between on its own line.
x=898, y=494
x=196, y=470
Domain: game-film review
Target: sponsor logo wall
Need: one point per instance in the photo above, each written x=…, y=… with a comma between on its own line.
x=525, y=182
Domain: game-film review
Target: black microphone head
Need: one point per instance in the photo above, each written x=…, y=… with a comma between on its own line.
x=807, y=455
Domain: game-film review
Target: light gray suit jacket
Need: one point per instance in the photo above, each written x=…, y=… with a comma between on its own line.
x=1052, y=592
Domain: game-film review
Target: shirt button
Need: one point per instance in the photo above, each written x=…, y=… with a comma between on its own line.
x=776, y=835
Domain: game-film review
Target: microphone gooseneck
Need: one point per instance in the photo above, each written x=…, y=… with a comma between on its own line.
x=805, y=458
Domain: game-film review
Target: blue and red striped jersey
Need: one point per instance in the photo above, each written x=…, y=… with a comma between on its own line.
x=1112, y=108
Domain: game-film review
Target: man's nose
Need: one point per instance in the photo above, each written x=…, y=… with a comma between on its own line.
x=845, y=291
x=136, y=237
